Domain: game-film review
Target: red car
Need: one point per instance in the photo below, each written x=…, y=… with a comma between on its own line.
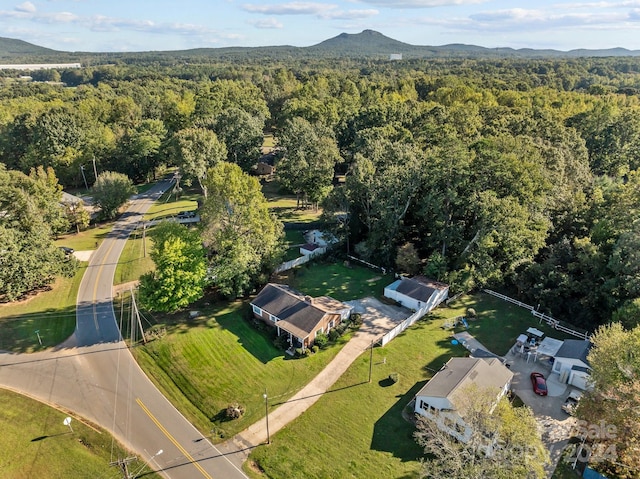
x=539, y=384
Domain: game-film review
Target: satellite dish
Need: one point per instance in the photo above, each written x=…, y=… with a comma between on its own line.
x=67, y=421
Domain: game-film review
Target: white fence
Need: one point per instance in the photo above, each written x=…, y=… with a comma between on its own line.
x=298, y=261
x=554, y=323
x=402, y=326
x=292, y=264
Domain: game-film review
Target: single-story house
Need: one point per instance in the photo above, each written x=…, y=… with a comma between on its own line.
x=312, y=249
x=437, y=399
x=417, y=293
x=301, y=317
x=570, y=362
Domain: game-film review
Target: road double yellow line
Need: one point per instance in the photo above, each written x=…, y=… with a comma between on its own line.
x=172, y=439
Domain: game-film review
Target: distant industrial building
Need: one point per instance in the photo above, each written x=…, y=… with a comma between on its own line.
x=395, y=56
x=39, y=66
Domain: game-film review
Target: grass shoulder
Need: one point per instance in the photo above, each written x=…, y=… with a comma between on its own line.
x=35, y=443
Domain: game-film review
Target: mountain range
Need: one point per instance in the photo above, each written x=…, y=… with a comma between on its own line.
x=367, y=44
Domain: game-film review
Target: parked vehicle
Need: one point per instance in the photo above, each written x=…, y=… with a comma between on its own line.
x=571, y=402
x=186, y=214
x=66, y=250
x=539, y=384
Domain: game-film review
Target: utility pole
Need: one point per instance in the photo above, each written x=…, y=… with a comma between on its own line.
x=123, y=465
x=136, y=312
x=266, y=410
x=95, y=171
x=144, y=240
x=370, y=360
x=84, y=177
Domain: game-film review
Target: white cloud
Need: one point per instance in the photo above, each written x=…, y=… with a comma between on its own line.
x=291, y=8
x=349, y=14
x=624, y=4
x=267, y=23
x=325, y=11
x=27, y=7
x=421, y=3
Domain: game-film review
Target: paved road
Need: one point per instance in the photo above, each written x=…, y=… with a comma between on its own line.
x=93, y=374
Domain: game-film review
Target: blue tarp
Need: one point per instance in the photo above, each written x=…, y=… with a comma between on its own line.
x=591, y=474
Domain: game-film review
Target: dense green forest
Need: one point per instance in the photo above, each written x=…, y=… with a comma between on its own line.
x=519, y=174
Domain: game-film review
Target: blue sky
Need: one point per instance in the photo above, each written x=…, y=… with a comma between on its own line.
x=137, y=25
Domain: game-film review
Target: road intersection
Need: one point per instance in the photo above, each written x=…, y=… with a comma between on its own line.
x=94, y=375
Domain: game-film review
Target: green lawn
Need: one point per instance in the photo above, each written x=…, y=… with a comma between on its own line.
x=205, y=364
x=168, y=205
x=85, y=240
x=52, y=312
x=499, y=323
x=339, y=281
x=35, y=443
x=284, y=205
x=292, y=240
x=219, y=358
x=133, y=263
x=356, y=430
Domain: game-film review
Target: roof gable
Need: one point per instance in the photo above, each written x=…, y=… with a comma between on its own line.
x=297, y=314
x=458, y=373
x=419, y=288
x=574, y=349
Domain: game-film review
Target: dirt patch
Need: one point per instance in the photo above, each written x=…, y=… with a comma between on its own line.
x=119, y=288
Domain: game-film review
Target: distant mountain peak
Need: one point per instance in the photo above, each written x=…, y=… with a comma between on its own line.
x=366, y=42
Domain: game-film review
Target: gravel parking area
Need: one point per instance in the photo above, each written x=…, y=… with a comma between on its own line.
x=554, y=423
x=379, y=317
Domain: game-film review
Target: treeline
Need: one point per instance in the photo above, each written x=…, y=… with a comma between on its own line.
x=519, y=174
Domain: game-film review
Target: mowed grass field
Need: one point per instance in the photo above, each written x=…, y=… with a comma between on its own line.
x=499, y=323
x=284, y=205
x=357, y=429
x=35, y=443
x=219, y=358
x=51, y=312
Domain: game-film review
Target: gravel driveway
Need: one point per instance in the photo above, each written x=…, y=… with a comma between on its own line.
x=554, y=423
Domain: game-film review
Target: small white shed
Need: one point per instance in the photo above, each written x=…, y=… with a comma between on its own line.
x=417, y=293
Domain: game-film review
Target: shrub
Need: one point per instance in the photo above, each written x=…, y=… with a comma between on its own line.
x=471, y=313
x=235, y=411
x=356, y=319
x=334, y=334
x=394, y=377
x=299, y=352
x=315, y=348
x=281, y=343
x=321, y=340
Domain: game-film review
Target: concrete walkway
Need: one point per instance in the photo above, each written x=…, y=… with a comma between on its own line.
x=469, y=342
x=378, y=318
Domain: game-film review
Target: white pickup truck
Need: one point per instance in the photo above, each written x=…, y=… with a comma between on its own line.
x=571, y=402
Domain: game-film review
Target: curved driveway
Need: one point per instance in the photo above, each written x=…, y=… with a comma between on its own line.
x=94, y=375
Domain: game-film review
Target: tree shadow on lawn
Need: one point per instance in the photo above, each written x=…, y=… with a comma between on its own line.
x=391, y=433
x=258, y=343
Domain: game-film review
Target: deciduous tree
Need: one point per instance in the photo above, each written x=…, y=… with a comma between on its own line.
x=181, y=268
x=243, y=239
x=110, y=191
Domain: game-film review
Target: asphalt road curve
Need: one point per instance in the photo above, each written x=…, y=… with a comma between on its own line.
x=94, y=376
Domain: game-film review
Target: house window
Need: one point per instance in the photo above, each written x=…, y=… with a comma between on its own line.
x=256, y=310
x=273, y=318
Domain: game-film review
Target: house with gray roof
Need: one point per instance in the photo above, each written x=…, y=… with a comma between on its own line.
x=417, y=293
x=439, y=399
x=299, y=317
x=570, y=362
